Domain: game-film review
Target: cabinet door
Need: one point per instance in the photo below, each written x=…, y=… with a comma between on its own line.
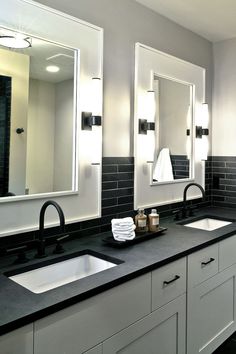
x=211, y=313
x=161, y=332
x=19, y=341
x=95, y=350
x=88, y=323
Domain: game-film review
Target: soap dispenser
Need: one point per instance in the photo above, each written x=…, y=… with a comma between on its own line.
x=153, y=220
x=141, y=221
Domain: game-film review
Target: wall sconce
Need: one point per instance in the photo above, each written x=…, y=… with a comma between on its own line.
x=90, y=119
x=143, y=124
x=202, y=133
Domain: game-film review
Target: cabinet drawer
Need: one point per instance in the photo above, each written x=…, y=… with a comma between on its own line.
x=227, y=252
x=168, y=282
x=203, y=265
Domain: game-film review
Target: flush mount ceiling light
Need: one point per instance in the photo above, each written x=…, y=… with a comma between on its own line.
x=52, y=68
x=17, y=41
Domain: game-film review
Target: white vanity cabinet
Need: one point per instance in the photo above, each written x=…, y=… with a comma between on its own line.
x=127, y=318
x=19, y=341
x=163, y=330
x=211, y=305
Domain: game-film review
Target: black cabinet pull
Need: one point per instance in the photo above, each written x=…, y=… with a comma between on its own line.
x=208, y=262
x=171, y=281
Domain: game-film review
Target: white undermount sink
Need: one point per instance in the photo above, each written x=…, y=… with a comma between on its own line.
x=208, y=224
x=54, y=275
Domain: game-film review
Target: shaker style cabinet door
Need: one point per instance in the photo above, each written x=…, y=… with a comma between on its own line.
x=161, y=332
x=95, y=350
x=211, y=312
x=19, y=341
x=80, y=327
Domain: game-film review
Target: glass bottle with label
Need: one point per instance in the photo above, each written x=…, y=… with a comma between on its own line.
x=141, y=221
x=153, y=220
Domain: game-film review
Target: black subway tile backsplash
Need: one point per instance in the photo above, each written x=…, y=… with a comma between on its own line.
x=224, y=171
x=118, y=195
x=110, y=185
x=117, y=160
x=119, y=192
x=121, y=176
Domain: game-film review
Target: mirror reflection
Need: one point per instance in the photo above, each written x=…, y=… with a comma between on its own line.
x=173, y=121
x=37, y=129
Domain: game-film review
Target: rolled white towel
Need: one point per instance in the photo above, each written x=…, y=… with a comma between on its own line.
x=120, y=237
x=122, y=222
x=123, y=230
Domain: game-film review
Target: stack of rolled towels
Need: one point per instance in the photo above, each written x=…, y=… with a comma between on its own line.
x=123, y=229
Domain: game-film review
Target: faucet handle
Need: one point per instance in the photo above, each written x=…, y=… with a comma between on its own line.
x=177, y=214
x=41, y=249
x=191, y=210
x=20, y=250
x=59, y=248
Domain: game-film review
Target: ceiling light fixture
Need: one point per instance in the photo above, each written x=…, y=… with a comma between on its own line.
x=52, y=69
x=17, y=41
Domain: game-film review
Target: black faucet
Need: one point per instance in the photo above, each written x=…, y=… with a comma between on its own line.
x=182, y=213
x=184, y=209
x=41, y=241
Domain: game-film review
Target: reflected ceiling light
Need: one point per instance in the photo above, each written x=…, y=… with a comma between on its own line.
x=18, y=41
x=52, y=68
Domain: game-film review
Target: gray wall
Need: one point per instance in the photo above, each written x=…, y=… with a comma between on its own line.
x=224, y=102
x=126, y=22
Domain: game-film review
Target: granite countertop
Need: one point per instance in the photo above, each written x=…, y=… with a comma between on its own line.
x=19, y=306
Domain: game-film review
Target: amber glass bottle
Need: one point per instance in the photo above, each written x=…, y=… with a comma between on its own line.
x=141, y=221
x=153, y=221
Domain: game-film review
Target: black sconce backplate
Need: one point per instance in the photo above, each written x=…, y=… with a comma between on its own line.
x=88, y=120
x=144, y=126
x=200, y=131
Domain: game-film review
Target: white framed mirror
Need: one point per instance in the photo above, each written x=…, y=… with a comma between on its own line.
x=81, y=197
x=169, y=94
x=38, y=101
x=173, y=152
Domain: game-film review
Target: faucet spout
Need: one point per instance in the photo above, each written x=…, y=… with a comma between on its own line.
x=41, y=241
x=185, y=196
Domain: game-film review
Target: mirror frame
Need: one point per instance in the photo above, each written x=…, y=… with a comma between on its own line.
x=21, y=215
x=150, y=62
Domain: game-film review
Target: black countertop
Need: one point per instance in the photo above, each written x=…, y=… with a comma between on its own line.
x=19, y=306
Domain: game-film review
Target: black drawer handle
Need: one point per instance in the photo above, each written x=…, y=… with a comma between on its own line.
x=171, y=281
x=208, y=262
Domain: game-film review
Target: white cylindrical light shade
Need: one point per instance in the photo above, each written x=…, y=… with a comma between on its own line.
x=204, y=116
x=150, y=106
x=96, y=97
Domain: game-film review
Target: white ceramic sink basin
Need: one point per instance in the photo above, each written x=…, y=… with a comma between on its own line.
x=208, y=224
x=54, y=275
